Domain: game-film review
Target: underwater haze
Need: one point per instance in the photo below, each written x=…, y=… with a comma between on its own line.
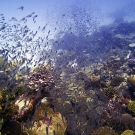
x=67, y=67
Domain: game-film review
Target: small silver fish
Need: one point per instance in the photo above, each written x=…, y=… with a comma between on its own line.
x=22, y=7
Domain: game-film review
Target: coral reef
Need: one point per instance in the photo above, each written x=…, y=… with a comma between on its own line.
x=86, y=86
x=41, y=79
x=92, y=81
x=110, y=91
x=13, y=128
x=131, y=63
x=10, y=112
x=117, y=80
x=120, y=122
x=53, y=121
x=113, y=65
x=113, y=86
x=104, y=131
x=8, y=109
x=20, y=100
x=131, y=80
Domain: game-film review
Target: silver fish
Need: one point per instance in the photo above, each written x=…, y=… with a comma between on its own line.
x=22, y=7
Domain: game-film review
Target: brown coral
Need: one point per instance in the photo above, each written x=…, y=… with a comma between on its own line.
x=92, y=81
x=117, y=80
x=110, y=91
x=80, y=75
x=122, y=123
x=104, y=131
x=11, y=111
x=113, y=64
x=13, y=128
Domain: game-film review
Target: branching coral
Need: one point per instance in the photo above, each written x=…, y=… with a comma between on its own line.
x=36, y=86
x=111, y=88
x=40, y=79
x=117, y=80
x=110, y=91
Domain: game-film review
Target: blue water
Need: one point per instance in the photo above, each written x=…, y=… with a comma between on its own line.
x=50, y=12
